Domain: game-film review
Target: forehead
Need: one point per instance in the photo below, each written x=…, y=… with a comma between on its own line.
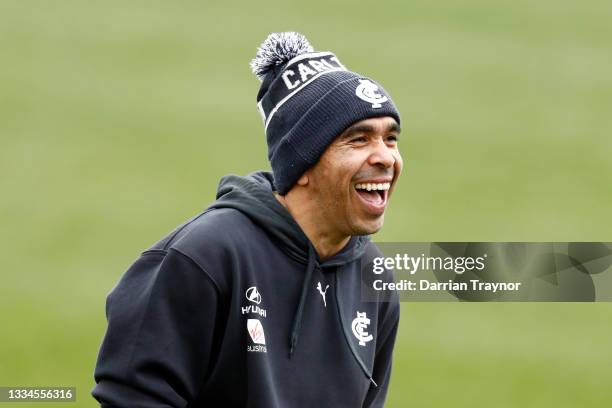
x=383, y=124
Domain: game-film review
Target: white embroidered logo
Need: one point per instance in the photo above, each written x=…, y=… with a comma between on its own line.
x=368, y=91
x=322, y=292
x=252, y=294
x=360, y=327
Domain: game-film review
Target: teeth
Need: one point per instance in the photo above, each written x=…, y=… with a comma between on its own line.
x=373, y=186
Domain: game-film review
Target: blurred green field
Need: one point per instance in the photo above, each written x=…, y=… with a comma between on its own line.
x=118, y=118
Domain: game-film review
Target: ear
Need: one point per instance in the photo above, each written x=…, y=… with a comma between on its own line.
x=303, y=181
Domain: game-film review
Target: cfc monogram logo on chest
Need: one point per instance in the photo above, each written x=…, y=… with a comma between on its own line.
x=360, y=328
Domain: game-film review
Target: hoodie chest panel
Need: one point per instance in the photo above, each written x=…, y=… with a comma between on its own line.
x=265, y=289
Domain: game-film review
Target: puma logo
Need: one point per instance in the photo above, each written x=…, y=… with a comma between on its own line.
x=322, y=292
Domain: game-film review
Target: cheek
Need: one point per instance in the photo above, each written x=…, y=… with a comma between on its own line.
x=337, y=172
x=399, y=162
x=338, y=189
x=329, y=186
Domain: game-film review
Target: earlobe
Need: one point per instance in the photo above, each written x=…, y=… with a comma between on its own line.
x=303, y=181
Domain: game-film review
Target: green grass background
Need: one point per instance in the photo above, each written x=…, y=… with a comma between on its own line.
x=117, y=119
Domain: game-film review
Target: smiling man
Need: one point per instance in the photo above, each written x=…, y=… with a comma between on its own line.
x=257, y=301
x=345, y=194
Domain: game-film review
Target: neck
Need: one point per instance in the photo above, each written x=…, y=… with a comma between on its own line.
x=325, y=242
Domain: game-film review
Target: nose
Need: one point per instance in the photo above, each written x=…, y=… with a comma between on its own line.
x=382, y=155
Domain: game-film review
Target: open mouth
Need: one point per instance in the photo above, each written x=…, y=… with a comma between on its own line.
x=373, y=196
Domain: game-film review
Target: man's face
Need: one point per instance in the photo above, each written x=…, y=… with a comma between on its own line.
x=352, y=182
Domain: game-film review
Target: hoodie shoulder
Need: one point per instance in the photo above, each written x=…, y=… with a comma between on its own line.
x=218, y=226
x=213, y=240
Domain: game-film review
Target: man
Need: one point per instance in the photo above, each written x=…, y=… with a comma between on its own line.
x=256, y=301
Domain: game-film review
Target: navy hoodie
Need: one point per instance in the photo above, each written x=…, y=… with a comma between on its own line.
x=235, y=309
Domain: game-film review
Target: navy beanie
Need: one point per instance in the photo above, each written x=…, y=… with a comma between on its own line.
x=306, y=100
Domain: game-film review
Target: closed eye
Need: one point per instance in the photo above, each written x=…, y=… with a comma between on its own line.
x=393, y=138
x=358, y=139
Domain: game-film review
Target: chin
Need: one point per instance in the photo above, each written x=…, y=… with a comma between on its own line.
x=369, y=227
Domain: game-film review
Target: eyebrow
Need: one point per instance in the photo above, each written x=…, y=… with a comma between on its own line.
x=393, y=127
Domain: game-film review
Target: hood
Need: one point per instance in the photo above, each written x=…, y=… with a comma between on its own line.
x=253, y=196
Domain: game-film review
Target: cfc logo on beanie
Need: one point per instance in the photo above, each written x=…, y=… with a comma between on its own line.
x=368, y=91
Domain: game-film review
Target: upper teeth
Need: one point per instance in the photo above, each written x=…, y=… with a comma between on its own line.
x=373, y=186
